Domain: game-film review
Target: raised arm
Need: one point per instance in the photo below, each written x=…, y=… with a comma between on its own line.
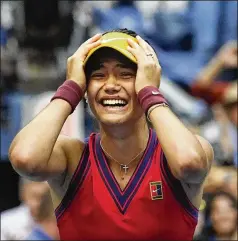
x=189, y=157
x=37, y=151
x=225, y=58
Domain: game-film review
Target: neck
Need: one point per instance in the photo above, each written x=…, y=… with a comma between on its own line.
x=123, y=143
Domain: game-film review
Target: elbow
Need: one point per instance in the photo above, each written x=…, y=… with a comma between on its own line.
x=195, y=161
x=192, y=166
x=24, y=162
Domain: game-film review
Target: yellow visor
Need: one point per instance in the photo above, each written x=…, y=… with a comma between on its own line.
x=117, y=41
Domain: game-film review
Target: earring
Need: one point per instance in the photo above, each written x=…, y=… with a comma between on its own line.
x=86, y=100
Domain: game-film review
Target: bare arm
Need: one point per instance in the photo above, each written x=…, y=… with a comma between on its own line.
x=31, y=149
x=225, y=58
x=189, y=156
x=37, y=151
x=208, y=74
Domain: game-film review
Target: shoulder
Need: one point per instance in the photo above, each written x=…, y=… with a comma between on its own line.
x=70, y=143
x=73, y=149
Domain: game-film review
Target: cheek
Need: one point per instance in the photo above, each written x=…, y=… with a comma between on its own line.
x=92, y=91
x=91, y=96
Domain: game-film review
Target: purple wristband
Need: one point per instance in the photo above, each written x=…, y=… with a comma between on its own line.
x=70, y=92
x=149, y=96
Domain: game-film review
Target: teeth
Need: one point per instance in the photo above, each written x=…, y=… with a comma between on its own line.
x=114, y=102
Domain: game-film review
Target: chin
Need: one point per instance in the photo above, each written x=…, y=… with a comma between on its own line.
x=113, y=119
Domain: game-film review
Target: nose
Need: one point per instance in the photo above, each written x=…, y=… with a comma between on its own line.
x=111, y=86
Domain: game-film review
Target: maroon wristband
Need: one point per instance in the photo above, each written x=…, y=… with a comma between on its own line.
x=149, y=96
x=70, y=92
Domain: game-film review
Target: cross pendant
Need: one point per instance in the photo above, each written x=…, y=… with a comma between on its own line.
x=125, y=167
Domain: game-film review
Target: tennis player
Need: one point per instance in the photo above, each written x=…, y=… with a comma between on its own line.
x=127, y=182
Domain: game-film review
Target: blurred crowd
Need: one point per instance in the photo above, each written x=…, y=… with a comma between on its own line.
x=196, y=42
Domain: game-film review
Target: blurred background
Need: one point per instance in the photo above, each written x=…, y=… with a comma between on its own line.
x=196, y=42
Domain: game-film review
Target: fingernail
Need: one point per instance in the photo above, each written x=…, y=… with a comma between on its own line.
x=138, y=37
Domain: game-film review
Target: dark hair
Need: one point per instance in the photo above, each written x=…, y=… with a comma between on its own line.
x=208, y=229
x=126, y=31
x=122, y=30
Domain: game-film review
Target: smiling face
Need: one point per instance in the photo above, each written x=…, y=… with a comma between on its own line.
x=111, y=88
x=223, y=215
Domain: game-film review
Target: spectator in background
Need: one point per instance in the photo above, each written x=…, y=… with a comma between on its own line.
x=46, y=227
x=221, y=178
x=222, y=133
x=220, y=218
x=188, y=36
x=230, y=103
x=222, y=97
x=206, y=85
x=121, y=14
x=17, y=223
x=226, y=116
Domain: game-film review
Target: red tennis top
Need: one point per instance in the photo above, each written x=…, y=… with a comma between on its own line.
x=153, y=206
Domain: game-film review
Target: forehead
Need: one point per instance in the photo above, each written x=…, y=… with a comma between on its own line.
x=112, y=63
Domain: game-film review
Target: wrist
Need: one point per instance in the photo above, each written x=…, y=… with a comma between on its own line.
x=81, y=85
x=70, y=92
x=139, y=88
x=150, y=110
x=150, y=96
x=63, y=105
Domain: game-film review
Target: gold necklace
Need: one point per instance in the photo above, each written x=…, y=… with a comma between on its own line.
x=124, y=167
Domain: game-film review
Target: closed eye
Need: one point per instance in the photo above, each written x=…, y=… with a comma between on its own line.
x=97, y=75
x=127, y=74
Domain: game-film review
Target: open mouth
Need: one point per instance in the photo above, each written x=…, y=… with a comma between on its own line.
x=114, y=103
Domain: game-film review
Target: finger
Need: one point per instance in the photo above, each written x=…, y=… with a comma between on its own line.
x=133, y=44
x=154, y=54
x=94, y=38
x=151, y=51
x=136, y=50
x=145, y=45
x=137, y=54
x=93, y=45
x=142, y=43
x=147, y=48
x=84, y=50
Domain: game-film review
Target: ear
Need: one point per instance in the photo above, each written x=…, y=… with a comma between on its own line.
x=86, y=97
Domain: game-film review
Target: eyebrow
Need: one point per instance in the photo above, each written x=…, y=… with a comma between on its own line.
x=123, y=66
x=101, y=65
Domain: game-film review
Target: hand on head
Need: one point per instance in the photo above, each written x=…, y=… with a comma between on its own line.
x=149, y=70
x=75, y=70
